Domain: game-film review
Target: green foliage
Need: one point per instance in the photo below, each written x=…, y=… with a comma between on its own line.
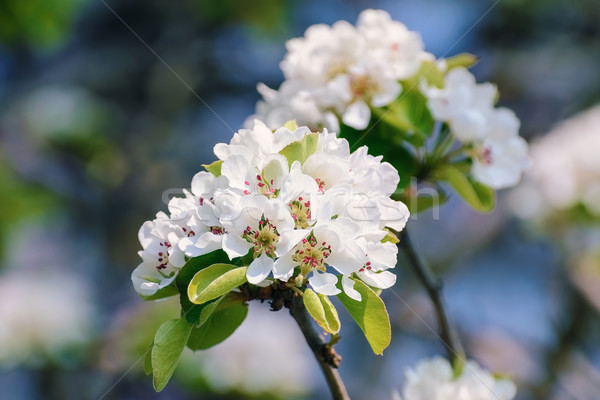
x=169, y=342
x=390, y=237
x=479, y=196
x=428, y=73
x=148, y=360
x=218, y=321
x=301, y=149
x=292, y=125
x=215, y=281
x=464, y=60
x=37, y=22
x=371, y=316
x=322, y=311
x=214, y=168
x=190, y=310
x=408, y=116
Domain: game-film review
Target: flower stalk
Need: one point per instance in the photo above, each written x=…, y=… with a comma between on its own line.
x=433, y=286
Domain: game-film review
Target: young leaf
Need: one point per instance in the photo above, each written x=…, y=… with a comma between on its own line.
x=320, y=308
x=215, y=281
x=465, y=60
x=301, y=149
x=169, y=342
x=214, y=168
x=371, y=316
x=479, y=196
x=292, y=125
x=429, y=73
x=190, y=310
x=218, y=321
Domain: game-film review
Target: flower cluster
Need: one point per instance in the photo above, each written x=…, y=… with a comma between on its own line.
x=338, y=72
x=565, y=171
x=344, y=72
x=291, y=204
x=498, y=153
x=434, y=379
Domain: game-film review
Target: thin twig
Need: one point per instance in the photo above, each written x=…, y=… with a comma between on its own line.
x=433, y=286
x=326, y=356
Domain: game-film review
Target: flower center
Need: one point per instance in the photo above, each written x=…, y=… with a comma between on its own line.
x=485, y=156
x=163, y=255
x=264, y=239
x=300, y=211
x=263, y=186
x=311, y=255
x=367, y=267
x=320, y=184
x=217, y=230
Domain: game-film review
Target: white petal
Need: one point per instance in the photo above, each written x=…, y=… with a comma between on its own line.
x=324, y=283
x=357, y=115
x=381, y=280
x=259, y=269
x=235, y=246
x=348, y=286
x=283, y=268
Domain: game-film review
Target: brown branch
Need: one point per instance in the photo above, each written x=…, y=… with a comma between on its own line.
x=328, y=359
x=280, y=296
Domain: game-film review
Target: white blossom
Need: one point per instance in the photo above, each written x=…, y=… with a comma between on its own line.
x=565, y=169
x=434, y=379
x=498, y=153
x=319, y=218
x=338, y=72
x=463, y=104
x=43, y=314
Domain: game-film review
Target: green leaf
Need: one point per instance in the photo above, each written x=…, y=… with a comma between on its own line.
x=292, y=125
x=190, y=310
x=215, y=281
x=218, y=321
x=169, y=342
x=465, y=60
x=167, y=291
x=390, y=237
x=148, y=360
x=409, y=117
x=214, y=168
x=301, y=149
x=320, y=308
x=479, y=196
x=429, y=72
x=371, y=316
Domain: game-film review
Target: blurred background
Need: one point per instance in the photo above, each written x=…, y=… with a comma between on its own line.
x=106, y=107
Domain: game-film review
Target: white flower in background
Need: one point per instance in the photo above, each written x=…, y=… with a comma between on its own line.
x=463, y=104
x=321, y=218
x=402, y=50
x=338, y=72
x=501, y=156
x=43, y=314
x=291, y=102
x=434, y=379
x=498, y=153
x=565, y=169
